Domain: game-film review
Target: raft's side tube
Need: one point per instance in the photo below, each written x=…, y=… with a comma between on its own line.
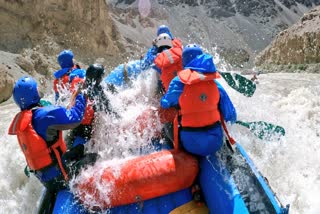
x=67, y=204
x=277, y=206
x=218, y=187
x=123, y=72
x=141, y=179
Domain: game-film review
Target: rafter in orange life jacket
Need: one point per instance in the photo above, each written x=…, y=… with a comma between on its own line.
x=170, y=63
x=64, y=81
x=37, y=151
x=198, y=101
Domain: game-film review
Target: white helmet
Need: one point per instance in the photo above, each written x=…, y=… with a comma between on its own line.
x=163, y=40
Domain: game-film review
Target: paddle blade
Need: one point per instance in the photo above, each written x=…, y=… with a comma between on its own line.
x=239, y=83
x=264, y=130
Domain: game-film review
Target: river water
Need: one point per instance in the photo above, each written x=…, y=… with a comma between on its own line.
x=291, y=164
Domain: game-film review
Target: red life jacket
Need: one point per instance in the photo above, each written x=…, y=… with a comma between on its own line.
x=199, y=99
x=35, y=148
x=170, y=62
x=64, y=81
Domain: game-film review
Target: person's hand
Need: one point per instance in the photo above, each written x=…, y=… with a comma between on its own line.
x=154, y=42
x=74, y=95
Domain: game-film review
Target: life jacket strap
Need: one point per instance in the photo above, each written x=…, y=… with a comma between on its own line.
x=176, y=132
x=58, y=157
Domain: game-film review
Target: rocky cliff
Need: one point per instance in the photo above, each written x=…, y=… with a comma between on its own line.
x=52, y=25
x=6, y=83
x=299, y=44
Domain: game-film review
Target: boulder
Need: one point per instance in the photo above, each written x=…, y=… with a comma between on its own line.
x=6, y=83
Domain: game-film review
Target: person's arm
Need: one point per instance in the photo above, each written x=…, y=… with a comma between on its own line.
x=148, y=59
x=226, y=106
x=171, y=98
x=47, y=119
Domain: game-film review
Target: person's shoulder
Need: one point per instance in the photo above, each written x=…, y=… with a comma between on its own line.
x=177, y=43
x=47, y=111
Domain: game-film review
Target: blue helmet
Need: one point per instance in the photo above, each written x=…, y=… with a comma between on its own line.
x=25, y=93
x=65, y=59
x=190, y=52
x=164, y=29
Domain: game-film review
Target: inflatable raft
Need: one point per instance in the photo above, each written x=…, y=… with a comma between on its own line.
x=169, y=180
x=172, y=181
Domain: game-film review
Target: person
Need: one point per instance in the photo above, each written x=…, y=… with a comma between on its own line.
x=39, y=133
x=202, y=103
x=167, y=63
x=69, y=75
x=94, y=76
x=147, y=61
x=169, y=59
x=97, y=101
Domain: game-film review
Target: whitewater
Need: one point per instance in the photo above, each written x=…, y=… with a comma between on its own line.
x=291, y=165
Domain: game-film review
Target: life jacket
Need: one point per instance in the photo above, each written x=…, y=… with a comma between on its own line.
x=65, y=82
x=37, y=152
x=170, y=62
x=199, y=99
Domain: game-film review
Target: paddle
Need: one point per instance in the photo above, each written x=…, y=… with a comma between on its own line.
x=264, y=130
x=239, y=83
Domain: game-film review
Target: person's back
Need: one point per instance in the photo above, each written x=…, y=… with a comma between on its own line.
x=197, y=95
x=168, y=61
x=39, y=132
x=147, y=61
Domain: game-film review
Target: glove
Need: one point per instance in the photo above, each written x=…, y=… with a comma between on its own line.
x=75, y=153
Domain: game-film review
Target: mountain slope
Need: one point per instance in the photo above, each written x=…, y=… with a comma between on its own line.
x=300, y=44
x=51, y=25
x=239, y=28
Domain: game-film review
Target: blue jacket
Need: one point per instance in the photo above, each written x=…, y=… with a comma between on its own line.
x=47, y=120
x=202, y=63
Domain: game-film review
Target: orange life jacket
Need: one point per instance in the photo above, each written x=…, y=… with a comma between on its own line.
x=170, y=62
x=199, y=99
x=64, y=81
x=35, y=148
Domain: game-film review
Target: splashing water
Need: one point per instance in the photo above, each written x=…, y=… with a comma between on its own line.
x=118, y=140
